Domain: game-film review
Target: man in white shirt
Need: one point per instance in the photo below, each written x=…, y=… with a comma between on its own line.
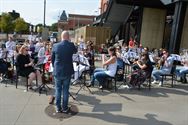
x=2, y=51
x=38, y=46
x=182, y=71
x=166, y=68
x=82, y=45
x=41, y=54
x=10, y=47
x=31, y=38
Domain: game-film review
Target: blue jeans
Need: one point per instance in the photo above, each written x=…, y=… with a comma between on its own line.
x=100, y=76
x=156, y=74
x=59, y=85
x=181, y=72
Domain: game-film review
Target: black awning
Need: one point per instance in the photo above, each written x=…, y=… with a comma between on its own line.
x=116, y=15
x=145, y=3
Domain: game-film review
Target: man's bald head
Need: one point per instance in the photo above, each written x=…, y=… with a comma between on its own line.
x=65, y=35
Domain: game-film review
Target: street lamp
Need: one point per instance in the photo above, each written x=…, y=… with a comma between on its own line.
x=44, y=13
x=45, y=29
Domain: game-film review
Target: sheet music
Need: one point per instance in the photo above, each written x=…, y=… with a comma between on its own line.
x=151, y=58
x=46, y=59
x=76, y=58
x=80, y=58
x=132, y=54
x=126, y=60
x=176, y=57
x=51, y=68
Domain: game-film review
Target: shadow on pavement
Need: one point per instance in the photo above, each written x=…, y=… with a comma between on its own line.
x=120, y=119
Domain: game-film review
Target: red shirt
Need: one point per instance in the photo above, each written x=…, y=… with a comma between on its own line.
x=47, y=65
x=131, y=43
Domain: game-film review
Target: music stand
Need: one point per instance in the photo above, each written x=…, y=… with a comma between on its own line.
x=84, y=63
x=43, y=86
x=76, y=59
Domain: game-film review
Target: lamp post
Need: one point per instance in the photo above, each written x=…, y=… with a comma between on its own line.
x=45, y=29
x=44, y=13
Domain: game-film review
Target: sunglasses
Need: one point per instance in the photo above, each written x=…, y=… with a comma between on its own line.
x=164, y=52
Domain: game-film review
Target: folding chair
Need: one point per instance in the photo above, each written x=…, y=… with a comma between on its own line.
x=27, y=77
x=171, y=74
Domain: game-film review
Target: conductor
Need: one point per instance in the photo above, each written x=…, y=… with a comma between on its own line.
x=63, y=69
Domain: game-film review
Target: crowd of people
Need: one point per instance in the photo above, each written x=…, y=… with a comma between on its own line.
x=63, y=59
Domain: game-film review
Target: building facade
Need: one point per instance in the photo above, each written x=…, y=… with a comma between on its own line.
x=73, y=21
x=153, y=23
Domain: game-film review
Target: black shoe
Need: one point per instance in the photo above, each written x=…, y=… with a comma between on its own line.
x=180, y=80
x=184, y=80
x=30, y=88
x=90, y=84
x=67, y=110
x=58, y=110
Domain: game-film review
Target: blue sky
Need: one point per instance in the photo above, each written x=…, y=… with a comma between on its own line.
x=32, y=10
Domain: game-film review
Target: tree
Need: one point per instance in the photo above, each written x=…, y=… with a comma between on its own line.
x=0, y=24
x=20, y=25
x=14, y=14
x=6, y=23
x=53, y=27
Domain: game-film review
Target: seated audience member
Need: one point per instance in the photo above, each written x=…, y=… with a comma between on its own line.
x=82, y=45
x=101, y=74
x=10, y=48
x=48, y=54
x=131, y=42
x=146, y=49
x=38, y=46
x=41, y=54
x=125, y=48
x=103, y=49
x=3, y=63
x=166, y=63
x=25, y=66
x=119, y=57
x=89, y=54
x=26, y=43
x=144, y=70
x=32, y=48
x=10, y=44
x=183, y=71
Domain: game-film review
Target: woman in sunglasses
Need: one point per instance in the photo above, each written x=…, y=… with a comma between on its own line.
x=25, y=65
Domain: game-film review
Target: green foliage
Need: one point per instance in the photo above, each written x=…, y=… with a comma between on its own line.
x=6, y=23
x=20, y=25
x=53, y=27
x=14, y=14
x=40, y=25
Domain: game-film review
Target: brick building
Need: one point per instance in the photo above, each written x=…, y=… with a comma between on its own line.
x=73, y=21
